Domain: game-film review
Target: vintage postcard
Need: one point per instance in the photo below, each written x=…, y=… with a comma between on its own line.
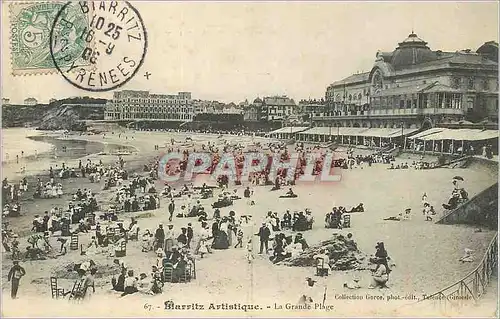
x=249, y=159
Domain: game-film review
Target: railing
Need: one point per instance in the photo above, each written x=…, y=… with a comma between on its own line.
x=472, y=286
x=385, y=112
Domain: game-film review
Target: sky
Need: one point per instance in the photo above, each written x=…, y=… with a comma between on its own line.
x=232, y=51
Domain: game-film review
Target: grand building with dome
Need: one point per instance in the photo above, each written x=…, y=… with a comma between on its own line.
x=416, y=87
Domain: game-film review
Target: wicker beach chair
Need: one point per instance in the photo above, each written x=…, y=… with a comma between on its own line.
x=168, y=269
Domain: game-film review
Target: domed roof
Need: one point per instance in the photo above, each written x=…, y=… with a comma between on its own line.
x=490, y=50
x=413, y=40
x=257, y=100
x=411, y=51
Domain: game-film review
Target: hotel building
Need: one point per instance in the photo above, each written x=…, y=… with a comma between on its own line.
x=142, y=105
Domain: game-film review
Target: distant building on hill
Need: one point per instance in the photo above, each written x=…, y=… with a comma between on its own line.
x=30, y=101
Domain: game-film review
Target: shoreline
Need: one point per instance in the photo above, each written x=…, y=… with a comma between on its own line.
x=9, y=134
x=13, y=170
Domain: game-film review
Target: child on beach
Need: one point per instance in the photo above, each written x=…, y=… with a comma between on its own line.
x=239, y=236
x=250, y=251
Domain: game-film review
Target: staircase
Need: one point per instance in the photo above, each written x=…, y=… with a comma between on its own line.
x=481, y=210
x=461, y=162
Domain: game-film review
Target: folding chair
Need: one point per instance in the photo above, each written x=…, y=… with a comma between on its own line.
x=123, y=250
x=75, y=293
x=168, y=269
x=347, y=221
x=73, y=244
x=320, y=264
x=54, y=290
x=186, y=275
x=111, y=237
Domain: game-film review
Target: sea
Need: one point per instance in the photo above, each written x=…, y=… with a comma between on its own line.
x=30, y=145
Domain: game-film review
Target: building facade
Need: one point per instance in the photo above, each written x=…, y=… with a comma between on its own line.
x=279, y=108
x=309, y=108
x=251, y=113
x=416, y=87
x=142, y=105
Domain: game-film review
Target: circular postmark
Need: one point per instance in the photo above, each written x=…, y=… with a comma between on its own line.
x=98, y=45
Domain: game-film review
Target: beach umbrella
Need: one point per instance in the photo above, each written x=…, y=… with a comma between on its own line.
x=460, y=178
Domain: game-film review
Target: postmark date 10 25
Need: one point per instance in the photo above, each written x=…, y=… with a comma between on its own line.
x=114, y=42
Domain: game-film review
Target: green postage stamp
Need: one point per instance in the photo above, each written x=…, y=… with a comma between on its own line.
x=30, y=32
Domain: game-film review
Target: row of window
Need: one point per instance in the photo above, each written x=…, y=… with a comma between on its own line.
x=372, y=125
x=157, y=110
x=438, y=100
x=174, y=101
x=155, y=116
x=280, y=113
x=472, y=83
x=469, y=83
x=358, y=96
x=281, y=108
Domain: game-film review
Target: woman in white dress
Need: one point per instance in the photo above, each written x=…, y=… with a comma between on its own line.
x=59, y=190
x=203, y=244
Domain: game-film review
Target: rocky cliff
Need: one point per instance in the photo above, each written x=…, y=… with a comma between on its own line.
x=60, y=115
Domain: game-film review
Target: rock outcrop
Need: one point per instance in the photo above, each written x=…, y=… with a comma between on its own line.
x=343, y=254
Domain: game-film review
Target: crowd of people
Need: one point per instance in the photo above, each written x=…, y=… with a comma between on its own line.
x=175, y=249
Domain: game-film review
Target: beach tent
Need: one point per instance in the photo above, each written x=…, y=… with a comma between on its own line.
x=454, y=137
x=461, y=135
x=427, y=132
x=378, y=134
x=287, y=132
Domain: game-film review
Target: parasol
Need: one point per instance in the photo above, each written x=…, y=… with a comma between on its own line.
x=460, y=178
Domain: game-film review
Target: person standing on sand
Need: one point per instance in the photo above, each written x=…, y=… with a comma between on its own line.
x=169, y=238
x=239, y=236
x=15, y=274
x=264, y=234
x=189, y=235
x=159, y=237
x=171, y=209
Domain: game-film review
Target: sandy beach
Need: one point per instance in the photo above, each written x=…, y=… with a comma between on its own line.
x=425, y=254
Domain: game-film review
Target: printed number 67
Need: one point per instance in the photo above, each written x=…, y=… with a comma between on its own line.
x=115, y=29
